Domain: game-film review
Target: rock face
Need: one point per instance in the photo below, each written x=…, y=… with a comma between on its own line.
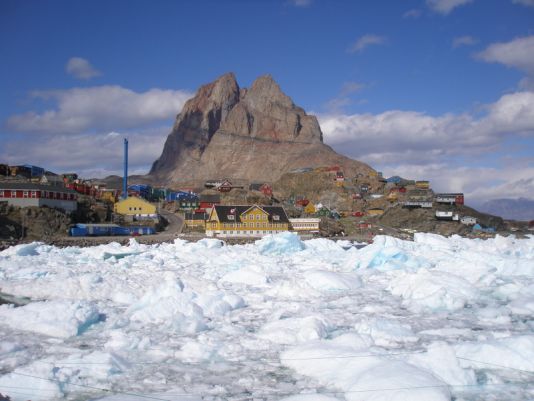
x=256, y=134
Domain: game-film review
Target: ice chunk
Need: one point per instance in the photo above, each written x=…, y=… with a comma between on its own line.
x=387, y=253
x=167, y=305
x=515, y=352
x=48, y=379
x=22, y=250
x=363, y=376
x=326, y=281
x=295, y=330
x=216, y=304
x=52, y=318
x=386, y=333
x=309, y=397
x=173, y=394
x=280, y=244
x=433, y=290
x=440, y=359
x=248, y=276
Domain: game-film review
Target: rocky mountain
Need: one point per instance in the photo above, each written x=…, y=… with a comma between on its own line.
x=255, y=134
x=514, y=209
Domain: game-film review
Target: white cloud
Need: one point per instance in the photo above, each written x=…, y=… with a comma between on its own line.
x=351, y=87
x=366, y=41
x=528, y=3
x=478, y=183
x=518, y=53
x=81, y=68
x=337, y=104
x=300, y=3
x=88, y=154
x=419, y=146
x=445, y=6
x=413, y=13
x=98, y=108
x=464, y=41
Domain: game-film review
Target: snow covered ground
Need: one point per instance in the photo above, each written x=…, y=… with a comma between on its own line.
x=431, y=320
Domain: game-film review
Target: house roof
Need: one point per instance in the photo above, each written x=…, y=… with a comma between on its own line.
x=196, y=216
x=210, y=198
x=224, y=211
x=34, y=187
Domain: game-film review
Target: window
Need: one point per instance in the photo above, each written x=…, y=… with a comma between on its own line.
x=276, y=217
x=258, y=217
x=34, y=194
x=1, y=194
x=231, y=217
x=13, y=194
x=25, y=194
x=258, y=225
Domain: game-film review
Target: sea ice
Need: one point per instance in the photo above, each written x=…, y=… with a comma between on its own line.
x=53, y=318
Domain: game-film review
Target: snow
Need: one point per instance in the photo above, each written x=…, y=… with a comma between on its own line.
x=433, y=319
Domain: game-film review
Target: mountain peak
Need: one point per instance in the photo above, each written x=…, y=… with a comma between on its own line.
x=255, y=133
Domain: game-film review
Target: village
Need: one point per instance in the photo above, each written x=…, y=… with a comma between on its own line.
x=310, y=201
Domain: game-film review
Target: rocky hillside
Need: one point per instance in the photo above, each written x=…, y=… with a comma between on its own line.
x=255, y=134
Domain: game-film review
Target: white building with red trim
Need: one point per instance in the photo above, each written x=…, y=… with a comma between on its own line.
x=29, y=194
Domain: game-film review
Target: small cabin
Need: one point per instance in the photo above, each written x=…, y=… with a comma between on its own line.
x=468, y=220
x=422, y=184
x=446, y=215
x=376, y=211
x=225, y=186
x=451, y=199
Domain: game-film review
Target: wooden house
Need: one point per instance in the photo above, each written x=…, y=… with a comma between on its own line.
x=450, y=199
x=376, y=211
x=207, y=201
x=468, y=220
x=446, y=215
x=246, y=221
x=422, y=184
x=264, y=188
x=134, y=206
x=309, y=224
x=30, y=194
x=310, y=208
x=192, y=219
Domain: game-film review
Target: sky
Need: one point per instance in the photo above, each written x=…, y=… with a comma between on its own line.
x=426, y=89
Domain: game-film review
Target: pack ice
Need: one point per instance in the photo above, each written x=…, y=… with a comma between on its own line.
x=434, y=319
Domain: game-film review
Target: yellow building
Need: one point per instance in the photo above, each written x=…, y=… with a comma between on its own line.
x=310, y=208
x=422, y=184
x=108, y=195
x=195, y=219
x=246, y=221
x=375, y=211
x=133, y=206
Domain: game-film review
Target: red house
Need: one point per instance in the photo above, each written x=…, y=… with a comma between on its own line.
x=207, y=201
x=24, y=195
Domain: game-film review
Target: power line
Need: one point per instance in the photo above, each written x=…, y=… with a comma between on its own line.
x=495, y=364
x=97, y=388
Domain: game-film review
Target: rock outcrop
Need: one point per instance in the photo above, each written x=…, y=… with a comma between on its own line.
x=256, y=134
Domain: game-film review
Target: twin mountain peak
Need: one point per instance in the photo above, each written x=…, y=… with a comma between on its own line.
x=254, y=134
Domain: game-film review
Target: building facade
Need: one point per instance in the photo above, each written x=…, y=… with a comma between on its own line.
x=305, y=224
x=246, y=221
x=28, y=194
x=135, y=207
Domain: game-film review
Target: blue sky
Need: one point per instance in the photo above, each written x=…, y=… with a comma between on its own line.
x=437, y=89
